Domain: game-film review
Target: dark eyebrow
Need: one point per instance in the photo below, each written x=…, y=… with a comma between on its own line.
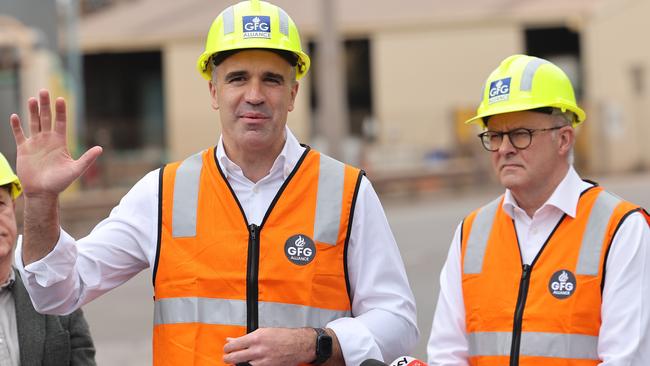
x=235, y=74
x=273, y=75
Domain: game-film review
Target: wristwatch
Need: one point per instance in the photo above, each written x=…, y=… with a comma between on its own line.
x=323, y=346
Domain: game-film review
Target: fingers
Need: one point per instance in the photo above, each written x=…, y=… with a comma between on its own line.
x=235, y=351
x=46, y=110
x=86, y=160
x=34, y=117
x=40, y=114
x=235, y=344
x=61, y=116
x=17, y=129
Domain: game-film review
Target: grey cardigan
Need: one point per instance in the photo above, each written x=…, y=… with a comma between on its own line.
x=50, y=340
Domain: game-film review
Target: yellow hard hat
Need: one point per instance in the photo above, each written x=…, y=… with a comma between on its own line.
x=252, y=24
x=524, y=82
x=7, y=176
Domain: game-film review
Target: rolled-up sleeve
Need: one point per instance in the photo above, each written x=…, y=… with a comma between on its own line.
x=384, y=324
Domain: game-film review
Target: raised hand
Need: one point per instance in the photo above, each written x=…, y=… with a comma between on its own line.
x=43, y=163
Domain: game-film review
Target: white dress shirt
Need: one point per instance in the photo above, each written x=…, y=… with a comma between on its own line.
x=624, y=338
x=384, y=322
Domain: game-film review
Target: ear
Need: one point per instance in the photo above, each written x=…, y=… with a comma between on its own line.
x=294, y=92
x=213, y=95
x=566, y=139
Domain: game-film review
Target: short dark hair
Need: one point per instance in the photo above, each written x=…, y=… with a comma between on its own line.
x=290, y=57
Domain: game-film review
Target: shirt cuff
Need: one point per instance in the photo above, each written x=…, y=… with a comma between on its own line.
x=356, y=341
x=56, y=266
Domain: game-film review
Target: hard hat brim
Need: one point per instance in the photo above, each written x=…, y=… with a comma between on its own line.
x=580, y=114
x=16, y=188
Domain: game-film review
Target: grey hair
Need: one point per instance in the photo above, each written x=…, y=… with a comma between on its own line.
x=566, y=118
x=213, y=75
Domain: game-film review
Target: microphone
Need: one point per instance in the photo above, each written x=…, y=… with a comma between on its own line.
x=372, y=362
x=407, y=361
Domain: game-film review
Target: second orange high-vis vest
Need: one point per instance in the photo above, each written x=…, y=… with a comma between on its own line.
x=217, y=276
x=546, y=313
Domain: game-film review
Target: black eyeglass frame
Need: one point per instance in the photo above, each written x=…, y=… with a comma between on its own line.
x=485, y=137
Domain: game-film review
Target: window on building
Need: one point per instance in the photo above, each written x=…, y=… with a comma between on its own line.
x=124, y=115
x=124, y=100
x=358, y=83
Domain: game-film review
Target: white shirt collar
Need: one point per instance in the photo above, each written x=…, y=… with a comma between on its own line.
x=286, y=160
x=10, y=281
x=565, y=197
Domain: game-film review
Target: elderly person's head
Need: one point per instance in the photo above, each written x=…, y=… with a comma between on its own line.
x=528, y=112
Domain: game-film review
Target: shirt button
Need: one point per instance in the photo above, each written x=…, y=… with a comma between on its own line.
x=255, y=189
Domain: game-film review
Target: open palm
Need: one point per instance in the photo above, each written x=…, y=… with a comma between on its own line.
x=43, y=163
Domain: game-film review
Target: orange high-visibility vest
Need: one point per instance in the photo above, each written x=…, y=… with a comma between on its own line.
x=218, y=276
x=546, y=313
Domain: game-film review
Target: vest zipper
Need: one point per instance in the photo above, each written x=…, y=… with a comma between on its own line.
x=519, y=314
x=252, y=320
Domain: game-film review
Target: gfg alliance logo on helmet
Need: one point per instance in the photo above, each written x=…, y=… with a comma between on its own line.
x=499, y=90
x=258, y=26
x=562, y=284
x=300, y=249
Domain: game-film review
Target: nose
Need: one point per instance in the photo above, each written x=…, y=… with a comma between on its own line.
x=254, y=93
x=506, y=146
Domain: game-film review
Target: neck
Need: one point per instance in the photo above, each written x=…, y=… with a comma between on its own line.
x=255, y=164
x=530, y=199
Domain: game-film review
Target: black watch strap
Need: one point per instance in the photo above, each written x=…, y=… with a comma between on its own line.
x=323, y=346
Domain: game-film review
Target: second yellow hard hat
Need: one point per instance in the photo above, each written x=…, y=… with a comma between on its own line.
x=524, y=82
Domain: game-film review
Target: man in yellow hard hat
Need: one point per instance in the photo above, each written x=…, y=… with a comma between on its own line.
x=27, y=337
x=555, y=271
x=263, y=250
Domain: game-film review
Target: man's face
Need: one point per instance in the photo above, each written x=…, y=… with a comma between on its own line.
x=533, y=168
x=8, y=230
x=253, y=90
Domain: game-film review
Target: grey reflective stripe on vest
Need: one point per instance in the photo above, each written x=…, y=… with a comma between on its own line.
x=284, y=22
x=529, y=72
x=594, y=235
x=273, y=314
x=186, y=196
x=329, y=200
x=233, y=312
x=557, y=345
x=478, y=237
x=228, y=20
x=199, y=310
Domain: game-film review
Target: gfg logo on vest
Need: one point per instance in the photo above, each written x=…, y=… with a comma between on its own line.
x=300, y=249
x=499, y=90
x=562, y=284
x=258, y=26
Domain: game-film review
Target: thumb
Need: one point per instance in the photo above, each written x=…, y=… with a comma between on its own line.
x=89, y=157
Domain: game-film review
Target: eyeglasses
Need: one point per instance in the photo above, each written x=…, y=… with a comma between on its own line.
x=520, y=138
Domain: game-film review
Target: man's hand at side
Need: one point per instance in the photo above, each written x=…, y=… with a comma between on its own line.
x=278, y=346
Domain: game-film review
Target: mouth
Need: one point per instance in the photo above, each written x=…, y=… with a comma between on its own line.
x=509, y=166
x=254, y=116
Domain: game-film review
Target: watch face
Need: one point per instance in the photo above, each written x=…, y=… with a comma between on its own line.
x=324, y=346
